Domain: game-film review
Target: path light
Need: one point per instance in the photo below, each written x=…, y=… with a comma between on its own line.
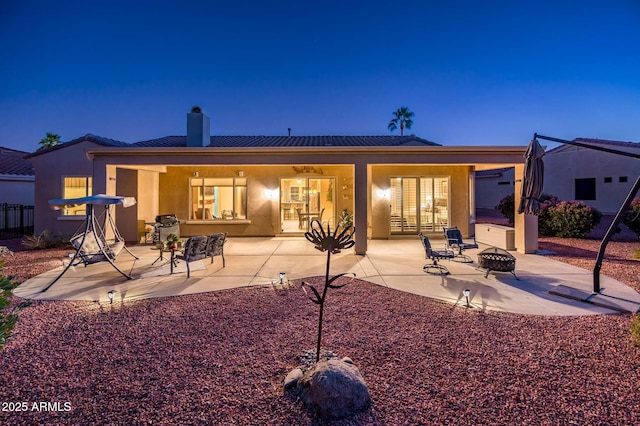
x=466, y=293
x=282, y=277
x=111, y=294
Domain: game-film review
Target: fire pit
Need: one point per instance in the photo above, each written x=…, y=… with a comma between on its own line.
x=497, y=259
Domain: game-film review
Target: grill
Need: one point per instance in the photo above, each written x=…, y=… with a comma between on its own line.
x=165, y=224
x=496, y=259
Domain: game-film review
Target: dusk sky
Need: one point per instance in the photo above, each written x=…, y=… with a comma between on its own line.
x=473, y=72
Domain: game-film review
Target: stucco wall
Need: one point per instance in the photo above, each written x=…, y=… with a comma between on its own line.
x=458, y=193
x=18, y=190
x=262, y=213
x=563, y=167
x=50, y=168
x=489, y=192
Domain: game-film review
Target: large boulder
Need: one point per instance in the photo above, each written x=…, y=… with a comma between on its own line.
x=334, y=389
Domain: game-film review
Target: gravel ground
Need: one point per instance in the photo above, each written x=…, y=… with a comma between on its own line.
x=220, y=358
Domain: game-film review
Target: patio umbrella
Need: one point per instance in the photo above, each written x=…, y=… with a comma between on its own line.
x=533, y=179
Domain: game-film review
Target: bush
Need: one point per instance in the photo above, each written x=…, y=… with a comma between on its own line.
x=506, y=206
x=544, y=217
x=572, y=219
x=635, y=329
x=7, y=321
x=632, y=218
x=45, y=240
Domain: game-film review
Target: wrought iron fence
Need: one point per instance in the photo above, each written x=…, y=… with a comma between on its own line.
x=16, y=220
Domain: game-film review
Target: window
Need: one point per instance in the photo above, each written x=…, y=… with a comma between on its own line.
x=622, y=179
x=76, y=187
x=586, y=189
x=607, y=180
x=218, y=198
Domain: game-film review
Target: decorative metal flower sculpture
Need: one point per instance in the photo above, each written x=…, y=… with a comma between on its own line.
x=331, y=243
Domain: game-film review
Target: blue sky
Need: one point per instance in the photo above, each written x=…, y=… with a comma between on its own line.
x=474, y=72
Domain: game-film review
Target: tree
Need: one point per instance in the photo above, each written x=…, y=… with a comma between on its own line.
x=51, y=139
x=402, y=118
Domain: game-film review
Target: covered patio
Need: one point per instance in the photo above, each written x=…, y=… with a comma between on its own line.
x=545, y=287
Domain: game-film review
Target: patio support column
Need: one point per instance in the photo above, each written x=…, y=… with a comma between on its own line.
x=360, y=203
x=526, y=225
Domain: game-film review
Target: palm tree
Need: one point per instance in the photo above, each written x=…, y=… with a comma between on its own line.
x=403, y=117
x=51, y=139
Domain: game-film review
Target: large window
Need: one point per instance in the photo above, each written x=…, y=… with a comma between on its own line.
x=218, y=198
x=76, y=187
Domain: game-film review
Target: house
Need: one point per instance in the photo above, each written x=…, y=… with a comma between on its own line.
x=17, y=178
x=274, y=185
x=599, y=179
x=493, y=185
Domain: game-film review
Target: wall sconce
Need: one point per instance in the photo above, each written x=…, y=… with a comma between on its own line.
x=111, y=294
x=466, y=292
x=240, y=173
x=271, y=194
x=195, y=174
x=383, y=193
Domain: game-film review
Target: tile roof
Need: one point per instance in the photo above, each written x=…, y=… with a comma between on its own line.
x=492, y=172
x=88, y=137
x=600, y=142
x=291, y=141
x=12, y=162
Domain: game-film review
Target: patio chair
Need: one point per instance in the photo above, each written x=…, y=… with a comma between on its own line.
x=454, y=240
x=194, y=249
x=435, y=268
x=302, y=218
x=215, y=246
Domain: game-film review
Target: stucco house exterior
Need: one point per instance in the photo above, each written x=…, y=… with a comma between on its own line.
x=393, y=186
x=17, y=178
x=599, y=179
x=493, y=185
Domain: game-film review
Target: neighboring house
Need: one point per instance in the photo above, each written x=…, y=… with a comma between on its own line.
x=274, y=185
x=17, y=178
x=597, y=178
x=493, y=185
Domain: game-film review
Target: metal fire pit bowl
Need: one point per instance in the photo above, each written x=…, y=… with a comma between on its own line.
x=497, y=259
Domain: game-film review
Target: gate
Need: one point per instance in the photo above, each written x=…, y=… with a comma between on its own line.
x=16, y=220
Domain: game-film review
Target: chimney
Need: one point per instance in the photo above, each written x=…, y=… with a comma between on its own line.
x=198, y=128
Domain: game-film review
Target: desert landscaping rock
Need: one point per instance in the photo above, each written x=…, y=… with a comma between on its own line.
x=292, y=378
x=334, y=390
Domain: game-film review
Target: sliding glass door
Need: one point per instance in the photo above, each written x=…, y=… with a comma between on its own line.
x=419, y=204
x=303, y=200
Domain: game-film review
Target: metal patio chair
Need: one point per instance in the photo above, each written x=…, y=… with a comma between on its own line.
x=435, y=268
x=454, y=240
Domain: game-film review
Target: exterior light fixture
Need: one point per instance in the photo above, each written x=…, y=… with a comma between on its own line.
x=383, y=193
x=241, y=173
x=282, y=277
x=271, y=194
x=195, y=174
x=111, y=294
x=466, y=292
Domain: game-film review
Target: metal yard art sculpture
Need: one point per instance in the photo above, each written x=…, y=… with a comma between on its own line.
x=332, y=244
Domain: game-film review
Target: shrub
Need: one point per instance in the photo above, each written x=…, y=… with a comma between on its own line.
x=45, y=240
x=506, y=206
x=8, y=320
x=572, y=219
x=544, y=217
x=635, y=329
x=632, y=218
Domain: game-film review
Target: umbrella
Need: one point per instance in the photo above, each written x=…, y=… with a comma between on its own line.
x=533, y=179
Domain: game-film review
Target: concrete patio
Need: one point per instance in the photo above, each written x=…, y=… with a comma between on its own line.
x=546, y=287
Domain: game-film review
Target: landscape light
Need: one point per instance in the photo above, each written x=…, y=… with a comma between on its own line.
x=111, y=294
x=282, y=277
x=466, y=292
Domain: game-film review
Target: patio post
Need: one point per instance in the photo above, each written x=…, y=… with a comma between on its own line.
x=360, y=203
x=526, y=225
